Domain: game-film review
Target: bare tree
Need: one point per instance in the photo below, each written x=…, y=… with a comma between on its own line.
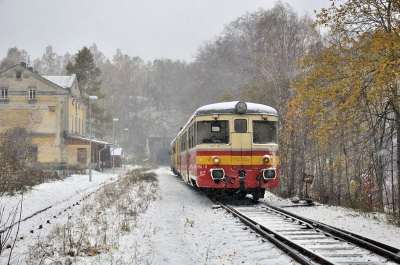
x=14, y=56
x=8, y=234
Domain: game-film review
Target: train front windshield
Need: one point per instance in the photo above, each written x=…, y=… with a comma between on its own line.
x=212, y=132
x=265, y=132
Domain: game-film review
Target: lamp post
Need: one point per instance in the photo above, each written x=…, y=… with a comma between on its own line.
x=114, y=120
x=90, y=135
x=126, y=129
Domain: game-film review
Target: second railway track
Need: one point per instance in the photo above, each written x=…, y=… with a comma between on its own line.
x=310, y=242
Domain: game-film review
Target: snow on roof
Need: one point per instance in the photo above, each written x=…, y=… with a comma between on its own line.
x=117, y=151
x=85, y=138
x=62, y=81
x=229, y=107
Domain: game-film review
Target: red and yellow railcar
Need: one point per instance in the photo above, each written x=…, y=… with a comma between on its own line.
x=230, y=148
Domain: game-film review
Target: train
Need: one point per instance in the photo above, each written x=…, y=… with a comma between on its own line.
x=229, y=149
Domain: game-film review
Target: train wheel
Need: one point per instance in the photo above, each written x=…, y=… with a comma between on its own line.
x=255, y=196
x=262, y=193
x=241, y=195
x=216, y=194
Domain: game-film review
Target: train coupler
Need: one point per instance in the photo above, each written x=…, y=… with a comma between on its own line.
x=241, y=174
x=231, y=180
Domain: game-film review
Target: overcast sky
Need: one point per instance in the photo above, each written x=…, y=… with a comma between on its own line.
x=150, y=29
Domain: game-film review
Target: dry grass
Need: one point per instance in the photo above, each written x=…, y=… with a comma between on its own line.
x=100, y=224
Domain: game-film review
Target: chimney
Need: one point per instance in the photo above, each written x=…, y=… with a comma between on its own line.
x=23, y=64
x=30, y=68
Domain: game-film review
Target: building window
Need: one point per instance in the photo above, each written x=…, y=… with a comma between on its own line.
x=32, y=93
x=18, y=75
x=32, y=153
x=4, y=93
x=82, y=155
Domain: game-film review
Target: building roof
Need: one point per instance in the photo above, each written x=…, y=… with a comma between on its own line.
x=62, y=81
x=117, y=151
x=86, y=138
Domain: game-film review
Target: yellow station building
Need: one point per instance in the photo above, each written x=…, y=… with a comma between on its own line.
x=51, y=107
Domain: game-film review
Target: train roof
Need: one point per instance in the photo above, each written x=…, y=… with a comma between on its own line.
x=229, y=108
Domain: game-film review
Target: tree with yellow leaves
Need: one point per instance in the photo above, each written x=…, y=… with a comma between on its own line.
x=351, y=89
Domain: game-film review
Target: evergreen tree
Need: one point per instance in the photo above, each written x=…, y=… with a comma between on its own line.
x=87, y=74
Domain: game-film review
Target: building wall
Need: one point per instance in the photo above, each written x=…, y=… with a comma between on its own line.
x=55, y=113
x=72, y=151
x=47, y=153
x=76, y=117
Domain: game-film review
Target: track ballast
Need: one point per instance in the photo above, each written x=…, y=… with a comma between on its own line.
x=310, y=242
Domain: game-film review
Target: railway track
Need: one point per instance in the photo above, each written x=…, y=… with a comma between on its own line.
x=310, y=242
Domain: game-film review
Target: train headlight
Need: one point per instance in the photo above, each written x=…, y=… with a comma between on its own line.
x=216, y=160
x=269, y=173
x=217, y=174
x=241, y=107
x=266, y=159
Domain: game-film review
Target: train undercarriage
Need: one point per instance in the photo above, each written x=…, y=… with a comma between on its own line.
x=237, y=193
x=256, y=193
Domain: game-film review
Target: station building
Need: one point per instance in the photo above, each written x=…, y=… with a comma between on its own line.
x=52, y=108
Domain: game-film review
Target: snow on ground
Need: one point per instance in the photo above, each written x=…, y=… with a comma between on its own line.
x=184, y=229
x=370, y=225
x=58, y=195
x=180, y=226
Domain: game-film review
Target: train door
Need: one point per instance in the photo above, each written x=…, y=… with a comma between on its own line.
x=241, y=143
x=182, y=163
x=191, y=163
x=178, y=156
x=185, y=168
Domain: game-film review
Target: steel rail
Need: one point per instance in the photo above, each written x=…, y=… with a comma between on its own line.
x=384, y=250
x=297, y=252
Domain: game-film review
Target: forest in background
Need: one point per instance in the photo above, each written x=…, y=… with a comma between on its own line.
x=335, y=122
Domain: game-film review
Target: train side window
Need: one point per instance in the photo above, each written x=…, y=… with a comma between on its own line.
x=185, y=141
x=240, y=125
x=191, y=136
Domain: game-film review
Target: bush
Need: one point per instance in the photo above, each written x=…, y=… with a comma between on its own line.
x=18, y=169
